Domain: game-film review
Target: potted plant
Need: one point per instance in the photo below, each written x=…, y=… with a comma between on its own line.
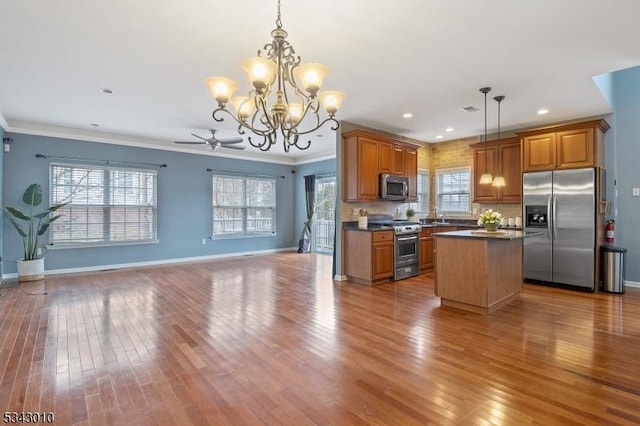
x=31, y=225
x=490, y=220
x=410, y=213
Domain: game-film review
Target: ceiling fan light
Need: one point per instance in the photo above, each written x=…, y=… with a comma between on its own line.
x=221, y=88
x=311, y=76
x=331, y=101
x=486, y=179
x=498, y=182
x=261, y=72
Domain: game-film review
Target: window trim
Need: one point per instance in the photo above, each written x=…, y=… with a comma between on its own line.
x=452, y=170
x=52, y=245
x=244, y=207
x=415, y=204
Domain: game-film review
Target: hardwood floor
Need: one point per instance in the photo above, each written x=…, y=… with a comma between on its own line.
x=273, y=340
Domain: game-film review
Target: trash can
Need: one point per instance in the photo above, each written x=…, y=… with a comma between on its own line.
x=613, y=269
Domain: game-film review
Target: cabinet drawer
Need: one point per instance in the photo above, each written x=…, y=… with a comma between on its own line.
x=381, y=236
x=425, y=232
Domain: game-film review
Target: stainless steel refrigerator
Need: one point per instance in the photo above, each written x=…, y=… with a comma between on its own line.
x=561, y=206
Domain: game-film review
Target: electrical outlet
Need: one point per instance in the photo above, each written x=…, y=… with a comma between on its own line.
x=355, y=211
x=7, y=147
x=204, y=241
x=636, y=192
x=475, y=210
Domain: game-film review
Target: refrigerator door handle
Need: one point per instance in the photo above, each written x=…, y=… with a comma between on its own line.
x=549, y=212
x=554, y=217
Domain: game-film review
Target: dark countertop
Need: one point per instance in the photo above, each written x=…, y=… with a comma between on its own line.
x=501, y=234
x=429, y=224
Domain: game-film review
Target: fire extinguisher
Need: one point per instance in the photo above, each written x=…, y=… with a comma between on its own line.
x=611, y=231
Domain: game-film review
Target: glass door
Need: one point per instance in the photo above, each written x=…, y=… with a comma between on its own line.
x=324, y=225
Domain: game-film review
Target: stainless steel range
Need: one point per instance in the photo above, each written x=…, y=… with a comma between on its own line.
x=407, y=250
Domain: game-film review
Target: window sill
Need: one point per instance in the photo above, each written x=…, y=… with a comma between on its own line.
x=64, y=246
x=239, y=236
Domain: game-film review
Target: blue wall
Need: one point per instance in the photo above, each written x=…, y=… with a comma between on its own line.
x=626, y=110
x=184, y=202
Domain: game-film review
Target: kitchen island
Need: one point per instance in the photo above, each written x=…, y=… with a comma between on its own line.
x=478, y=271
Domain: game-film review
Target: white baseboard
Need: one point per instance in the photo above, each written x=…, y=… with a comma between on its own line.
x=156, y=262
x=340, y=278
x=628, y=283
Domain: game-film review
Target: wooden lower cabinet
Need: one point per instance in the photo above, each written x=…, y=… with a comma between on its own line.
x=368, y=256
x=426, y=250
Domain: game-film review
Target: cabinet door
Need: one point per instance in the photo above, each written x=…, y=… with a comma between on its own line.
x=539, y=152
x=397, y=160
x=367, y=169
x=574, y=149
x=426, y=252
x=482, y=156
x=382, y=260
x=385, y=158
x=510, y=163
x=411, y=171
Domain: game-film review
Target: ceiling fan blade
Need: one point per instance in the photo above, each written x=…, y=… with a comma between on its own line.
x=241, y=148
x=230, y=141
x=191, y=142
x=200, y=137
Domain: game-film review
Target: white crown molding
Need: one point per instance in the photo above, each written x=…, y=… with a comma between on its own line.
x=3, y=123
x=38, y=129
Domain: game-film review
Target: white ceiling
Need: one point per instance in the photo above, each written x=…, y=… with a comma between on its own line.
x=427, y=57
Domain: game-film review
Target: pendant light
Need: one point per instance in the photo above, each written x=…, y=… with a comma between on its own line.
x=486, y=177
x=498, y=181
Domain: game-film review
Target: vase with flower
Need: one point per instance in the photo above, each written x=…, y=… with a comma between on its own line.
x=490, y=220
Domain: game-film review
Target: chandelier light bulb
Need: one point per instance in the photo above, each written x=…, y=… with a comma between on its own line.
x=295, y=112
x=311, y=76
x=243, y=105
x=331, y=101
x=261, y=71
x=221, y=88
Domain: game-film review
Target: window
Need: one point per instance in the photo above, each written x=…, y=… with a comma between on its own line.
x=243, y=206
x=422, y=205
x=106, y=205
x=453, y=188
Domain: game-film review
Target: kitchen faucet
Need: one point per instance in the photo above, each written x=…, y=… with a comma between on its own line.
x=442, y=218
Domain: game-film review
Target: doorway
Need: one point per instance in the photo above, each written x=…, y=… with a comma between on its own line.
x=324, y=225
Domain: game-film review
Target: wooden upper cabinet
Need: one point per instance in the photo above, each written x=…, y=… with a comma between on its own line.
x=410, y=156
x=360, y=168
x=367, y=155
x=385, y=158
x=511, y=171
x=539, y=152
x=484, y=159
x=574, y=149
x=398, y=160
x=566, y=146
x=502, y=157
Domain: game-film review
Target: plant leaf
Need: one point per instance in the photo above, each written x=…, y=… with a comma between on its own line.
x=51, y=219
x=58, y=206
x=43, y=229
x=33, y=195
x=16, y=213
x=42, y=215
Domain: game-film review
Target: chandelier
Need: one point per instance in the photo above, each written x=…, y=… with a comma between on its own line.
x=284, y=98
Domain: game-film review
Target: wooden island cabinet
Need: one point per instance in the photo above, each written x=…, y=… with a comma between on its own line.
x=368, y=154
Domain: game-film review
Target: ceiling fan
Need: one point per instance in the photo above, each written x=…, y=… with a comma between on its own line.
x=214, y=142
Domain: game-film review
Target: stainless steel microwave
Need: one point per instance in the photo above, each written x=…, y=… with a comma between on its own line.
x=393, y=187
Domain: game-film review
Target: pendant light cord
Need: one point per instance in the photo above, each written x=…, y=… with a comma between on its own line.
x=485, y=90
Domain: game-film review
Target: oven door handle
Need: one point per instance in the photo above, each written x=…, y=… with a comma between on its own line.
x=413, y=237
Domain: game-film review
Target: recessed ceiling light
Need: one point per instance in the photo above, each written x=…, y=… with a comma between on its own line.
x=439, y=137
x=107, y=91
x=94, y=124
x=407, y=115
x=543, y=111
x=449, y=129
